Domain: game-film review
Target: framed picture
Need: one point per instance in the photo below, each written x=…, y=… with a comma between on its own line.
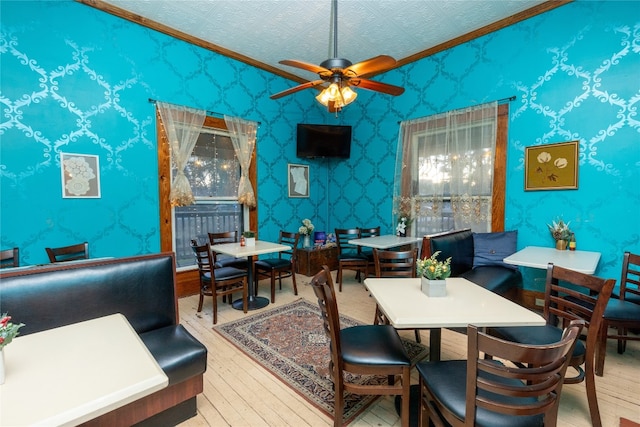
x=551, y=167
x=298, y=180
x=80, y=176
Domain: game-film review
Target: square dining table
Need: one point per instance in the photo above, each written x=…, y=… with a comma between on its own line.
x=539, y=257
x=261, y=247
x=386, y=241
x=72, y=374
x=407, y=307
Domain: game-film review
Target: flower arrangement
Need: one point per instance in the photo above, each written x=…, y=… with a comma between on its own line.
x=8, y=330
x=306, y=228
x=560, y=230
x=403, y=223
x=433, y=269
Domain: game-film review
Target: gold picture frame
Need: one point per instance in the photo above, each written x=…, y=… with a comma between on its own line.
x=551, y=167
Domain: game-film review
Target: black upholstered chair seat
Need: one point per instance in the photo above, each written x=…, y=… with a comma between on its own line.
x=536, y=335
x=447, y=381
x=352, y=257
x=270, y=263
x=358, y=346
x=226, y=273
x=177, y=352
x=629, y=297
x=231, y=261
x=622, y=310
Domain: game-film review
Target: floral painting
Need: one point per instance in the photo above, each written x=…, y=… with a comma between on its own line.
x=551, y=167
x=80, y=175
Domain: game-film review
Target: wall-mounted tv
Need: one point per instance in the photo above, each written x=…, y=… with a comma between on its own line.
x=323, y=141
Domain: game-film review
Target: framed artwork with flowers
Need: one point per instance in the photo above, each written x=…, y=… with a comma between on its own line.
x=80, y=176
x=551, y=167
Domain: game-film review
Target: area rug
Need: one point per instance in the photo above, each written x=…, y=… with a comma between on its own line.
x=289, y=341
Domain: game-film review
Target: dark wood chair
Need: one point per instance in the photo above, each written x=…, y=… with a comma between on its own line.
x=218, y=281
x=68, y=253
x=368, y=252
x=350, y=257
x=224, y=260
x=363, y=350
x=10, y=258
x=570, y=295
x=521, y=389
x=282, y=266
x=394, y=264
x=622, y=313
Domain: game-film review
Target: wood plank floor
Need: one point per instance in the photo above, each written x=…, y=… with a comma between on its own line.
x=238, y=392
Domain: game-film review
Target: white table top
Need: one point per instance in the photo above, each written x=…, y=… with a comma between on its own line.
x=385, y=242
x=407, y=307
x=72, y=374
x=539, y=257
x=261, y=247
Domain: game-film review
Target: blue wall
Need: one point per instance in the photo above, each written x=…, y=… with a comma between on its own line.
x=77, y=80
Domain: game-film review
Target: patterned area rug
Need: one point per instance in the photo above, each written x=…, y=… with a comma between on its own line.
x=290, y=342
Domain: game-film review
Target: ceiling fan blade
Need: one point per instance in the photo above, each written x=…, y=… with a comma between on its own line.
x=296, y=89
x=377, y=86
x=370, y=66
x=305, y=66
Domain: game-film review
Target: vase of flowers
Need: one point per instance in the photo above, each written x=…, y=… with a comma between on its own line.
x=404, y=222
x=561, y=233
x=249, y=237
x=8, y=331
x=432, y=275
x=305, y=230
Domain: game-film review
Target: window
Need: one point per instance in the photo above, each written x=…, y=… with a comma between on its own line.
x=213, y=172
x=450, y=172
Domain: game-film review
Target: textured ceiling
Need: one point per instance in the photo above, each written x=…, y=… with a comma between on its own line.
x=268, y=31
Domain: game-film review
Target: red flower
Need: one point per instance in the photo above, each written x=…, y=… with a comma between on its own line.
x=4, y=321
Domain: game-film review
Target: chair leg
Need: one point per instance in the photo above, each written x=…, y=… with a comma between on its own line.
x=293, y=279
x=601, y=347
x=406, y=395
x=338, y=412
x=200, y=302
x=339, y=278
x=592, y=398
x=418, y=337
x=215, y=308
x=273, y=286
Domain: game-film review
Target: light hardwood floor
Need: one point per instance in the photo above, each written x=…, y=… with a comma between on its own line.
x=238, y=392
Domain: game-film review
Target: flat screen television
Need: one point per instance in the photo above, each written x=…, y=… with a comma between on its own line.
x=332, y=141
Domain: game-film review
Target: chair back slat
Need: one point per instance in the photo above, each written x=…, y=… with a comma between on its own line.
x=630, y=280
x=68, y=253
x=322, y=284
x=527, y=380
x=10, y=258
x=395, y=263
x=343, y=235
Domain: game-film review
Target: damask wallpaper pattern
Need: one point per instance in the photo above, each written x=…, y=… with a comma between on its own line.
x=74, y=79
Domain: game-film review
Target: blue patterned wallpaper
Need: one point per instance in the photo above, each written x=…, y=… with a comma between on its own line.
x=74, y=79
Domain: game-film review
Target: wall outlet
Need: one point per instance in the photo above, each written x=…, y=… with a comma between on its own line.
x=540, y=302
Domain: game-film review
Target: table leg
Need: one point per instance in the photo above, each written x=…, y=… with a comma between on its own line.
x=435, y=341
x=253, y=302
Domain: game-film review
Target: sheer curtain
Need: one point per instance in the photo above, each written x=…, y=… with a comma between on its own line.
x=183, y=126
x=243, y=136
x=444, y=170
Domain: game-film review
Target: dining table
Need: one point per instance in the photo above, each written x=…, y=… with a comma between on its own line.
x=385, y=241
x=539, y=257
x=68, y=375
x=261, y=247
x=407, y=307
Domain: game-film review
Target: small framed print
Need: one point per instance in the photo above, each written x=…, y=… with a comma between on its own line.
x=551, y=167
x=298, y=180
x=80, y=176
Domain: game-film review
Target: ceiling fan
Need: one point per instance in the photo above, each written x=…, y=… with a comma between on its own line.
x=341, y=75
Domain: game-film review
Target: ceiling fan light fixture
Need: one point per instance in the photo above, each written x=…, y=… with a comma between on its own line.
x=338, y=96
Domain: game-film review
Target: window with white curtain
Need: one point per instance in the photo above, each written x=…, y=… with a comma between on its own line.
x=213, y=172
x=445, y=168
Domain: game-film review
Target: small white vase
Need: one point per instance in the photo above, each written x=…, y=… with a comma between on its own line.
x=250, y=241
x=1, y=366
x=433, y=288
x=306, y=242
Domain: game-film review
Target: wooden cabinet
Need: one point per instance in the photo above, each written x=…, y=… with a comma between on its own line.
x=310, y=260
